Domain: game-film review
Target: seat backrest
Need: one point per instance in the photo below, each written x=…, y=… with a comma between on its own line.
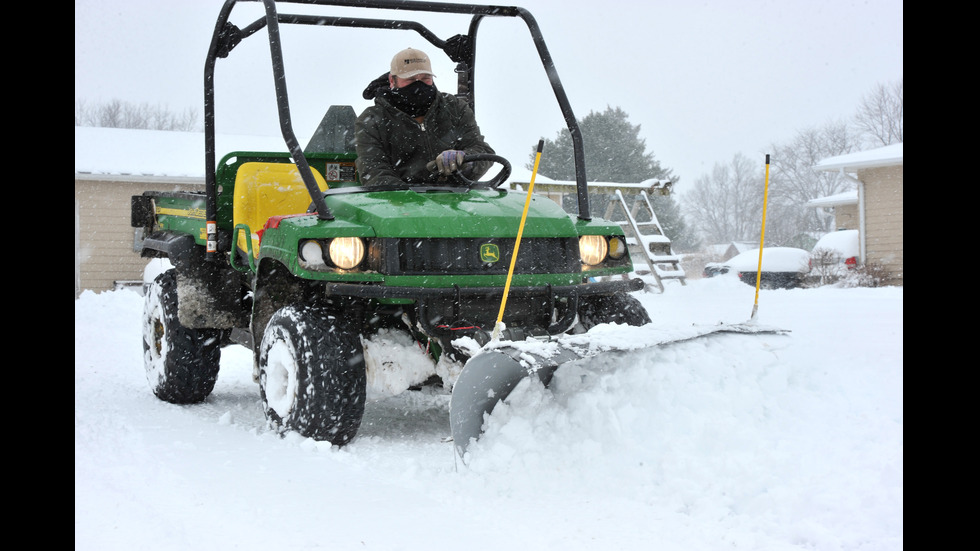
x=263, y=190
x=335, y=134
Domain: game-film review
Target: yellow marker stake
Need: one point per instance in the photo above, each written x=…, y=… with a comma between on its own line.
x=517, y=244
x=762, y=241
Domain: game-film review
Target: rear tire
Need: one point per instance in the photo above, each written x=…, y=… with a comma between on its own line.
x=621, y=308
x=181, y=363
x=312, y=376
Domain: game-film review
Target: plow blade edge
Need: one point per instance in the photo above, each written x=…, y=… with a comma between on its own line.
x=488, y=378
x=492, y=374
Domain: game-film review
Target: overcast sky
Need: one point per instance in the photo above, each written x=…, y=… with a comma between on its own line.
x=704, y=79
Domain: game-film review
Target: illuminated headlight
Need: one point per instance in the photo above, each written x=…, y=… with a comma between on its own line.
x=593, y=249
x=617, y=248
x=312, y=253
x=346, y=252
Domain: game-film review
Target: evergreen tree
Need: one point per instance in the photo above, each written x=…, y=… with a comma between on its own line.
x=614, y=152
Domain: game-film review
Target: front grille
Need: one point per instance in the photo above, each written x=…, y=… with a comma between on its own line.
x=462, y=256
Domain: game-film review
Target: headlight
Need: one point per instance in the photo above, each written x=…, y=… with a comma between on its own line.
x=312, y=253
x=593, y=249
x=346, y=252
x=617, y=248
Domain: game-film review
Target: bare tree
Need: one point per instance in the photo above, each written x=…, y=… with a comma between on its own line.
x=120, y=114
x=727, y=205
x=795, y=182
x=722, y=208
x=880, y=116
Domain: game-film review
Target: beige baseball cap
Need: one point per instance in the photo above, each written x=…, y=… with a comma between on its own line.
x=410, y=62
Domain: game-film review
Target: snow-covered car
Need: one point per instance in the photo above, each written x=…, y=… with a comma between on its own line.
x=712, y=269
x=834, y=255
x=782, y=267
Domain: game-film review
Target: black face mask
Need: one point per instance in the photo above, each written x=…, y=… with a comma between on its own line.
x=414, y=99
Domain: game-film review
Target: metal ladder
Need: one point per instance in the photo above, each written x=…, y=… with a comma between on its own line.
x=647, y=236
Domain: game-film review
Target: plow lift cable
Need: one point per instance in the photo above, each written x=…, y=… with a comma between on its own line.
x=762, y=242
x=520, y=232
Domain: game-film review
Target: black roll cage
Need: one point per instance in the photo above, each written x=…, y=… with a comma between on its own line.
x=460, y=48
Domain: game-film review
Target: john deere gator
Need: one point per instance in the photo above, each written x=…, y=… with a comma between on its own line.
x=287, y=253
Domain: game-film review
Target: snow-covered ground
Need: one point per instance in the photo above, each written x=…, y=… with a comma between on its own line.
x=729, y=442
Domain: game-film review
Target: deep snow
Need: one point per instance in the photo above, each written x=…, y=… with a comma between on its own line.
x=729, y=442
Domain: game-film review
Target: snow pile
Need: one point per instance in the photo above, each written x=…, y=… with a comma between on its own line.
x=394, y=363
x=771, y=442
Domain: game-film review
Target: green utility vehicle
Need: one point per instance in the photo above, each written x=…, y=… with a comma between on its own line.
x=344, y=291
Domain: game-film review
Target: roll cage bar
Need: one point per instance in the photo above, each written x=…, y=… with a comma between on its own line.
x=460, y=49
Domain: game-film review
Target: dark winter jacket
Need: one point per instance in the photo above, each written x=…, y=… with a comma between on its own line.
x=394, y=148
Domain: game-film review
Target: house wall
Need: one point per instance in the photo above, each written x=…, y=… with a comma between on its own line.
x=104, y=238
x=884, y=221
x=846, y=217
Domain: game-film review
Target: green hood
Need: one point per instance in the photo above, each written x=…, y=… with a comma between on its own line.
x=480, y=213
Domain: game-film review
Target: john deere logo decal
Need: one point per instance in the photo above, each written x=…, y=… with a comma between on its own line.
x=489, y=252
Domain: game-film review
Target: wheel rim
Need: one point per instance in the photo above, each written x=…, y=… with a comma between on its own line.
x=155, y=335
x=281, y=379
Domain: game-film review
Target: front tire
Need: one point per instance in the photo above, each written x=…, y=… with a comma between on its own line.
x=181, y=363
x=620, y=308
x=312, y=375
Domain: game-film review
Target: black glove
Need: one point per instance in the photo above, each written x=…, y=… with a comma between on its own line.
x=449, y=161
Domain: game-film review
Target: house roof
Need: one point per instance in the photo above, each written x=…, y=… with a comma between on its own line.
x=890, y=155
x=845, y=198
x=157, y=155
x=742, y=246
x=153, y=155
x=133, y=155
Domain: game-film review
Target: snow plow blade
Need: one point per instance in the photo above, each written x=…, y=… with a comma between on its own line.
x=488, y=378
x=490, y=375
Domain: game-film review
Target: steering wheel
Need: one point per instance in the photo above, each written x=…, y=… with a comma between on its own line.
x=493, y=183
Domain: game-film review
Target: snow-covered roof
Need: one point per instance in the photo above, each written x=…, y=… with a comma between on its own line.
x=154, y=154
x=147, y=155
x=742, y=246
x=521, y=176
x=646, y=184
x=890, y=155
x=717, y=249
x=845, y=198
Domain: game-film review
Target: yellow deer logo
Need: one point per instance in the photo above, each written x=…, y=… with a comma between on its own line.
x=489, y=253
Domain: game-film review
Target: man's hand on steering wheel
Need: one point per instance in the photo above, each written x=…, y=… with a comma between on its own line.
x=454, y=173
x=449, y=161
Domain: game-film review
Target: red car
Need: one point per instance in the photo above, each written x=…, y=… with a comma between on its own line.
x=835, y=254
